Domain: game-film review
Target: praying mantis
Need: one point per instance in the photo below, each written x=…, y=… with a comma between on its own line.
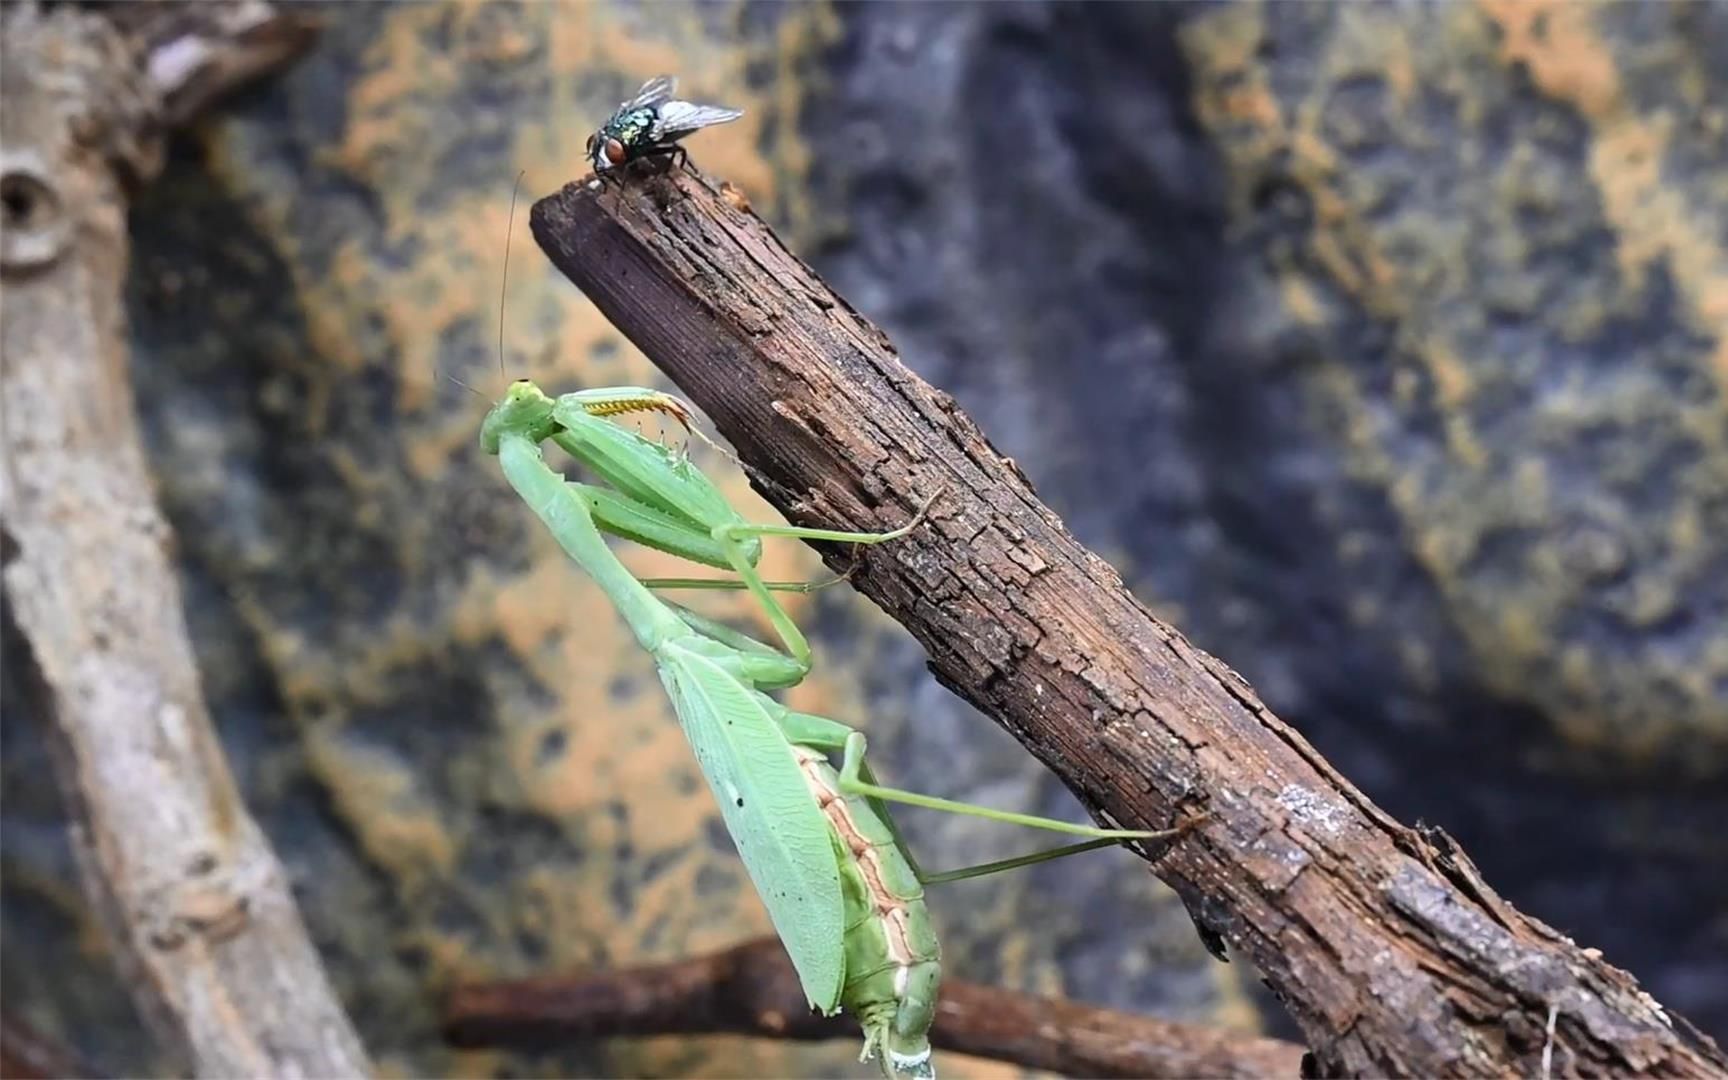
x=841, y=888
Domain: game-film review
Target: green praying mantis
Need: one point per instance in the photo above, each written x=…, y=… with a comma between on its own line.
x=841, y=888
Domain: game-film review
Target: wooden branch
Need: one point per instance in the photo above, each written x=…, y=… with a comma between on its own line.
x=195, y=53
x=1386, y=945
x=751, y=989
x=27, y=1054
x=197, y=905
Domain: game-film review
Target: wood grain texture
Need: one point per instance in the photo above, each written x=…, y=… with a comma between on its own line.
x=1385, y=944
x=196, y=903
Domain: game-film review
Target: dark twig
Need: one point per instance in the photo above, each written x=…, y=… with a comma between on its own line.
x=197, y=53
x=27, y=1054
x=1387, y=946
x=751, y=989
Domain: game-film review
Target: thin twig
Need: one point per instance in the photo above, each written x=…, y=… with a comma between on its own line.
x=196, y=52
x=27, y=1054
x=751, y=989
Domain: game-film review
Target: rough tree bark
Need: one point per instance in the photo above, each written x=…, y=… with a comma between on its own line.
x=197, y=905
x=752, y=989
x=1384, y=942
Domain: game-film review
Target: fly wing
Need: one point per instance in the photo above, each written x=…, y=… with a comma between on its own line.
x=677, y=119
x=781, y=833
x=653, y=92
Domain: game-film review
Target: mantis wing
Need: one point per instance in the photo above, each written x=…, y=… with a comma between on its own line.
x=782, y=835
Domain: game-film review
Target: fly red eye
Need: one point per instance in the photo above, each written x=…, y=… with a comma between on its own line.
x=614, y=151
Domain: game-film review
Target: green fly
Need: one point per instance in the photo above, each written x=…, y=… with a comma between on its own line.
x=840, y=886
x=650, y=124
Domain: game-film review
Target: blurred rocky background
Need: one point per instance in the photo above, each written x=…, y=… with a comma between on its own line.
x=1383, y=348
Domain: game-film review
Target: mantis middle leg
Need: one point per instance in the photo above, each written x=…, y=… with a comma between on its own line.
x=731, y=536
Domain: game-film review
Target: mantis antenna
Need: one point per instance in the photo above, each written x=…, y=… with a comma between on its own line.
x=504, y=284
x=503, y=291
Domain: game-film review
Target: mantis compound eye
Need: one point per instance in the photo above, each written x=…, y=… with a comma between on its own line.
x=614, y=151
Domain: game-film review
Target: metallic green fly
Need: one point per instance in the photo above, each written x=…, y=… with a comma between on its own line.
x=650, y=125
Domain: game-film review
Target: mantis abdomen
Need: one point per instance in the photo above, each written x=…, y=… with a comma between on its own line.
x=892, y=958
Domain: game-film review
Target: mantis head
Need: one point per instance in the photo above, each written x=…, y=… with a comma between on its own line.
x=524, y=411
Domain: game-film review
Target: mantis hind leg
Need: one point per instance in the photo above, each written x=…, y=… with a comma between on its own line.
x=852, y=782
x=997, y=866
x=829, y=736
x=856, y=780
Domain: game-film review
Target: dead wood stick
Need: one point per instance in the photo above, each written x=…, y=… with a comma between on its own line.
x=1386, y=945
x=194, y=53
x=751, y=989
x=27, y=1054
x=195, y=902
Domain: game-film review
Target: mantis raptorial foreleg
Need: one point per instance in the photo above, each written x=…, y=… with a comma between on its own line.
x=658, y=498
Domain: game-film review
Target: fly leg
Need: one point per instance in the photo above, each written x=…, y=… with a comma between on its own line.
x=675, y=157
